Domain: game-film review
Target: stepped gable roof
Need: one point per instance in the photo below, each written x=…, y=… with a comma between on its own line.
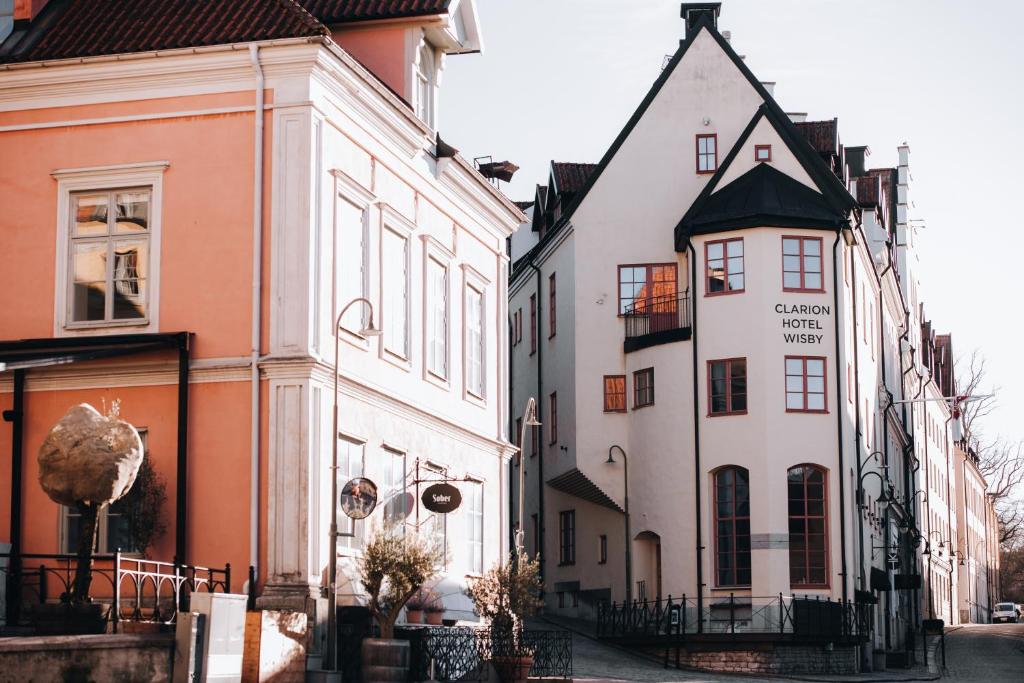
x=343, y=11
x=764, y=196
x=569, y=177
x=69, y=29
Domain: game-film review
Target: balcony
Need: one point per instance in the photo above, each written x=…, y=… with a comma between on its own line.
x=657, y=320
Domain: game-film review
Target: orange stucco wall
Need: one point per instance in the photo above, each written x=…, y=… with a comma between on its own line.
x=381, y=50
x=205, y=288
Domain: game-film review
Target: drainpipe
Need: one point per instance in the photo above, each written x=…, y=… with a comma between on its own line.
x=839, y=412
x=540, y=429
x=856, y=415
x=257, y=274
x=698, y=478
x=512, y=431
x=886, y=538
x=951, y=556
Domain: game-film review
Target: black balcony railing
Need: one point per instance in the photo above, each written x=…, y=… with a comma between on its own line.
x=138, y=589
x=460, y=653
x=785, y=617
x=657, y=320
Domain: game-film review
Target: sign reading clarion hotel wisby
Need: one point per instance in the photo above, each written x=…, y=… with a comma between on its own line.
x=803, y=323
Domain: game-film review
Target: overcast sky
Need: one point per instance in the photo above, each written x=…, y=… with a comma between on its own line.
x=559, y=78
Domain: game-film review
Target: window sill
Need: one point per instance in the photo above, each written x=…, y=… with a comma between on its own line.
x=729, y=293
x=798, y=290
x=708, y=172
x=643, y=405
x=400, y=362
x=106, y=327
x=437, y=380
x=728, y=414
x=809, y=412
x=613, y=412
x=472, y=397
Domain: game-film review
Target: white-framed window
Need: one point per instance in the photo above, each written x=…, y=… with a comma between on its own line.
x=475, y=341
x=475, y=526
x=426, y=77
x=395, y=287
x=434, y=525
x=394, y=490
x=113, y=529
x=108, y=247
x=437, y=318
x=351, y=463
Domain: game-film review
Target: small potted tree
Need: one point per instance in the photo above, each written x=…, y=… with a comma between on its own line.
x=86, y=462
x=394, y=567
x=415, y=605
x=435, y=609
x=505, y=595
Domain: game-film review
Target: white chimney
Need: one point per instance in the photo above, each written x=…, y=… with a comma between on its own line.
x=769, y=86
x=797, y=116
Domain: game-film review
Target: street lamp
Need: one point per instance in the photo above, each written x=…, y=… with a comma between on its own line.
x=529, y=420
x=629, y=542
x=332, y=567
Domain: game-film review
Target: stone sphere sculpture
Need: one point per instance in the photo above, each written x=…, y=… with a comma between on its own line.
x=88, y=460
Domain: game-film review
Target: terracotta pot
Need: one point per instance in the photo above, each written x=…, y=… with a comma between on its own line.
x=414, y=616
x=513, y=669
x=435, y=618
x=66, y=619
x=385, y=661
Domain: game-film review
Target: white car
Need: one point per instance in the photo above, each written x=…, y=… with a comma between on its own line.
x=1005, y=611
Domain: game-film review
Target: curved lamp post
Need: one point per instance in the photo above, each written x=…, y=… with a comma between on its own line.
x=332, y=567
x=629, y=540
x=529, y=420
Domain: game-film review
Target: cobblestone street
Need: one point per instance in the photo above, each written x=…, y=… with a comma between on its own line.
x=986, y=652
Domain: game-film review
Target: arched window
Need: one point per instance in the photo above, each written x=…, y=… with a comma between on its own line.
x=808, y=527
x=425, y=72
x=732, y=527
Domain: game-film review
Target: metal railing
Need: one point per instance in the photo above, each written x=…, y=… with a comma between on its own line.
x=806, y=618
x=139, y=590
x=657, y=314
x=460, y=653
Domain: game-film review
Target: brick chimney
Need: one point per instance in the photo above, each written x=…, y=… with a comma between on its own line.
x=26, y=10
x=692, y=12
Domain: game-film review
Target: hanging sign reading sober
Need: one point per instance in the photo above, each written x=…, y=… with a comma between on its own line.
x=442, y=498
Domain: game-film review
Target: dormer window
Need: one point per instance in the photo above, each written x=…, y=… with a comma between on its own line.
x=762, y=153
x=426, y=76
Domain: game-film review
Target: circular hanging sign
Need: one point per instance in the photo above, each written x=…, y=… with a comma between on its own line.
x=358, y=498
x=442, y=498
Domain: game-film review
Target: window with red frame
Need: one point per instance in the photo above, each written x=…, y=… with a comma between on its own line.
x=808, y=527
x=643, y=388
x=647, y=286
x=552, y=313
x=805, y=384
x=801, y=264
x=727, y=386
x=553, y=409
x=762, y=153
x=707, y=153
x=732, y=527
x=614, y=393
x=533, y=323
x=724, y=266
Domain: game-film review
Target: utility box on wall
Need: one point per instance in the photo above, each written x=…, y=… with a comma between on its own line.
x=223, y=636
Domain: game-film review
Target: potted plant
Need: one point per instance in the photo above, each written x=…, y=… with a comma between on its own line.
x=414, y=607
x=394, y=566
x=505, y=595
x=87, y=462
x=435, y=610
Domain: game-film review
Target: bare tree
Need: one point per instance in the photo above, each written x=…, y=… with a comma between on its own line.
x=1001, y=462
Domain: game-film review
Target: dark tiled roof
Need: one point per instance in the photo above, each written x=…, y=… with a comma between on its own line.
x=86, y=28
x=823, y=135
x=570, y=177
x=523, y=206
x=763, y=196
x=869, y=190
x=338, y=11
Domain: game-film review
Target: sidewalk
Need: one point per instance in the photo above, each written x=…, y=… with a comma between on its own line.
x=599, y=661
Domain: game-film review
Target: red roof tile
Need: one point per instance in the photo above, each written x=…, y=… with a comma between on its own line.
x=338, y=11
x=87, y=28
x=570, y=177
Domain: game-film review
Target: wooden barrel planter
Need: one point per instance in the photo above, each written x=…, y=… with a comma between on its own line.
x=385, y=661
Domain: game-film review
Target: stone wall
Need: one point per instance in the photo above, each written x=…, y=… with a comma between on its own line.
x=771, y=659
x=145, y=658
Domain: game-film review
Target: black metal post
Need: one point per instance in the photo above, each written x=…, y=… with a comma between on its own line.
x=181, y=489
x=16, y=416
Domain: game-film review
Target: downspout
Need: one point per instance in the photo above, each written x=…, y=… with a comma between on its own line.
x=698, y=479
x=839, y=413
x=257, y=275
x=856, y=417
x=886, y=538
x=539, y=428
x=949, y=517
x=512, y=432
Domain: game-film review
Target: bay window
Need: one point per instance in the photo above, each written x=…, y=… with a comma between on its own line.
x=724, y=267
x=727, y=386
x=801, y=264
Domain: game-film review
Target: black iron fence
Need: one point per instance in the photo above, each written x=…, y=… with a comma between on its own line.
x=461, y=653
x=787, y=617
x=657, y=314
x=138, y=589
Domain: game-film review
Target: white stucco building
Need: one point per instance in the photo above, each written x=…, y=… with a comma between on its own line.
x=726, y=302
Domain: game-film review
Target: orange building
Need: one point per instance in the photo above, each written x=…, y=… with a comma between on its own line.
x=193, y=191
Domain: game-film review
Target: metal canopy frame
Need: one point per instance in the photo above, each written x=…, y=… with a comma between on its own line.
x=21, y=356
